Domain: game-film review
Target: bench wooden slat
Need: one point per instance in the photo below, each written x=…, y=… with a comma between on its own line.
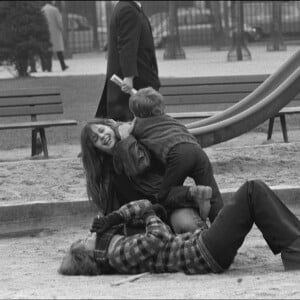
x=206, y=114
x=37, y=124
x=193, y=114
x=187, y=81
x=43, y=91
x=209, y=98
x=204, y=99
x=22, y=101
x=31, y=110
x=208, y=89
x=197, y=107
x=289, y=110
x=209, y=107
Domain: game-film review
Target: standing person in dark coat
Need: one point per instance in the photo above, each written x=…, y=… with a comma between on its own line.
x=131, y=56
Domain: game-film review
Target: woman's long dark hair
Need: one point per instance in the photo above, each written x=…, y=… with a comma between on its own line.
x=98, y=168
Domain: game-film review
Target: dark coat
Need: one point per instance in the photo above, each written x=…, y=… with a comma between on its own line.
x=131, y=52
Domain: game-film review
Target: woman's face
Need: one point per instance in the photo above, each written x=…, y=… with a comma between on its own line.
x=103, y=137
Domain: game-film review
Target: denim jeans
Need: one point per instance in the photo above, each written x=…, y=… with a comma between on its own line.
x=253, y=203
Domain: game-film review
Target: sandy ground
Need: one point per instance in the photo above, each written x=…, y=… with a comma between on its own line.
x=29, y=263
x=246, y=157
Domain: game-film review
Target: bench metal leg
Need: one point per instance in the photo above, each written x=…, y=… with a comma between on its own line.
x=284, y=128
x=270, y=129
x=44, y=142
x=33, y=141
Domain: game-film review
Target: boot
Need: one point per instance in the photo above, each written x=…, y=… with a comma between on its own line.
x=291, y=256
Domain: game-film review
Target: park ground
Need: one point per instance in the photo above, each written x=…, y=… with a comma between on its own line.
x=29, y=261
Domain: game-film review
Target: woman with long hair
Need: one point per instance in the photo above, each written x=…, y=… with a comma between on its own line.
x=119, y=169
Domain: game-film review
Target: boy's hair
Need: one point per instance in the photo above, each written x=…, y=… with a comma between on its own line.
x=79, y=261
x=147, y=102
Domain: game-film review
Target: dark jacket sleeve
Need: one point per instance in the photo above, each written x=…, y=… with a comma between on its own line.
x=130, y=157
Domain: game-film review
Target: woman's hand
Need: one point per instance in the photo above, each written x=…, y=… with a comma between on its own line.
x=125, y=129
x=103, y=223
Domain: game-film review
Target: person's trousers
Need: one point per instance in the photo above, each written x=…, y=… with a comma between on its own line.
x=46, y=61
x=253, y=203
x=61, y=59
x=190, y=160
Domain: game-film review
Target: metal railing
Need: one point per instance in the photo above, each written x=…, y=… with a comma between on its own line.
x=199, y=22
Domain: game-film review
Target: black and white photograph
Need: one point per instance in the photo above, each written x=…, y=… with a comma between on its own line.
x=150, y=149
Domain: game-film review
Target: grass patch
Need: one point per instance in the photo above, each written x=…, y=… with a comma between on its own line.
x=80, y=96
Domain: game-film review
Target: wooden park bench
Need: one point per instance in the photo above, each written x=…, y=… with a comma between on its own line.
x=33, y=103
x=202, y=97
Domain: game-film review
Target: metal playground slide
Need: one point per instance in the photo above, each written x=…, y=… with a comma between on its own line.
x=246, y=117
x=263, y=90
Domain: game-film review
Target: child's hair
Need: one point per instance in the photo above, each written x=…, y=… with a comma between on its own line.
x=147, y=102
x=79, y=261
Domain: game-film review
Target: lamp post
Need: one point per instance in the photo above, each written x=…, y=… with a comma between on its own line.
x=173, y=49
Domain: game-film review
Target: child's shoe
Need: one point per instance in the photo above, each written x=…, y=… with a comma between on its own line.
x=201, y=195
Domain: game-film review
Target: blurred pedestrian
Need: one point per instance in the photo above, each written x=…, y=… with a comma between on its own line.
x=131, y=56
x=54, y=20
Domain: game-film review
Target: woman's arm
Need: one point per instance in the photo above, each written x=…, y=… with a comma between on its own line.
x=130, y=157
x=133, y=251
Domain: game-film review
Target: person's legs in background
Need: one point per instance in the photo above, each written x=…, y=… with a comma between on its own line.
x=32, y=63
x=254, y=202
x=61, y=59
x=46, y=61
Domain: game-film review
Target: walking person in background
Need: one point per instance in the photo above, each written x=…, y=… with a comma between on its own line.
x=131, y=56
x=54, y=20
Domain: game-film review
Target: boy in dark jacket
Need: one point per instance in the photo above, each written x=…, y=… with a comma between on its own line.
x=170, y=142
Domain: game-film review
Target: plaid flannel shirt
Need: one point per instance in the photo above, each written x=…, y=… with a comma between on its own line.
x=158, y=249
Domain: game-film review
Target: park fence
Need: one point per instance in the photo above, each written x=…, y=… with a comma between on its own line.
x=208, y=23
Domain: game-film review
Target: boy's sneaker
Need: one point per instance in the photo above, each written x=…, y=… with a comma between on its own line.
x=201, y=195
